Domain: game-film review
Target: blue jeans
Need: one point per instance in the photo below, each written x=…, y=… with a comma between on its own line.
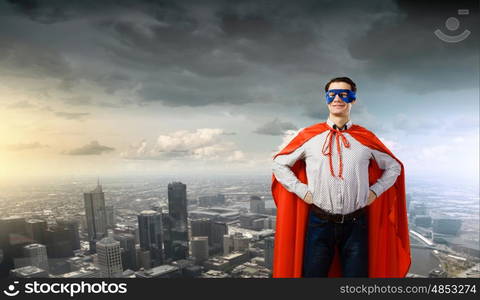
x=351, y=238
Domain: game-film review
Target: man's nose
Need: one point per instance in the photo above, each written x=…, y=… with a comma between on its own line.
x=337, y=98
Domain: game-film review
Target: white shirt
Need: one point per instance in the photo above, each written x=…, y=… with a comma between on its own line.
x=335, y=194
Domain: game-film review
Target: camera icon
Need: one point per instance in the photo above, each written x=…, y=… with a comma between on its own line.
x=10, y=291
x=452, y=24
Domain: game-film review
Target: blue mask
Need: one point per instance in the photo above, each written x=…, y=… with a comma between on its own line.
x=346, y=95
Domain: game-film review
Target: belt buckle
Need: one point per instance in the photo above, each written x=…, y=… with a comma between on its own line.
x=343, y=219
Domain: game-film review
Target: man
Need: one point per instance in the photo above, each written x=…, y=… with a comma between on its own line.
x=326, y=185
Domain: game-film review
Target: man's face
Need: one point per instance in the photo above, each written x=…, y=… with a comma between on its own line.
x=337, y=107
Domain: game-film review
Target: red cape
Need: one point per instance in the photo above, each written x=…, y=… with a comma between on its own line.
x=389, y=244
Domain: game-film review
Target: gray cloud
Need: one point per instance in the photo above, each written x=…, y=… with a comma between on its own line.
x=275, y=127
x=402, y=48
x=25, y=146
x=232, y=53
x=93, y=148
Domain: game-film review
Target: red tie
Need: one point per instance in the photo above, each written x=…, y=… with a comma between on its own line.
x=327, y=149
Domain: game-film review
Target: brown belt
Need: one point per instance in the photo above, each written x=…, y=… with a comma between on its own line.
x=337, y=218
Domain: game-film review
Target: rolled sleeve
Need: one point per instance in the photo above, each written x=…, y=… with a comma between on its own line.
x=391, y=169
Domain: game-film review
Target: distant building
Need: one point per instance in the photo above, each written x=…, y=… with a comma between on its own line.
x=419, y=209
x=28, y=272
x=215, y=239
x=199, y=246
x=253, y=221
x=227, y=262
x=447, y=226
x=150, y=229
x=257, y=205
x=110, y=213
x=144, y=259
x=96, y=216
x=129, y=254
x=424, y=221
x=219, y=214
x=35, y=229
x=59, y=242
x=163, y=271
x=90, y=272
x=13, y=237
x=250, y=270
x=269, y=241
x=72, y=226
x=35, y=255
x=201, y=227
x=235, y=242
x=109, y=258
x=177, y=243
x=213, y=230
x=207, y=201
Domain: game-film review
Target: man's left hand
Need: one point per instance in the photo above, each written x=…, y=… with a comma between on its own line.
x=371, y=197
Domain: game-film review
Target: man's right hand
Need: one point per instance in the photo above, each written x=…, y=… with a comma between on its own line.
x=308, y=198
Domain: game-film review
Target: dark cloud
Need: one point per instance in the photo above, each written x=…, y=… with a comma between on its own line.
x=275, y=127
x=25, y=146
x=401, y=49
x=224, y=52
x=93, y=148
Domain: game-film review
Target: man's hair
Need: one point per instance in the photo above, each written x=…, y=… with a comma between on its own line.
x=353, y=86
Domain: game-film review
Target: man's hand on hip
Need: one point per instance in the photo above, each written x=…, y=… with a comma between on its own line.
x=308, y=198
x=371, y=197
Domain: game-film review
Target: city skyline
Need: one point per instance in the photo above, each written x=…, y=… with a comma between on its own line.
x=444, y=235
x=138, y=87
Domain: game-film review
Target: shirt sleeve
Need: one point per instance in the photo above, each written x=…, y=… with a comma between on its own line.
x=283, y=173
x=392, y=170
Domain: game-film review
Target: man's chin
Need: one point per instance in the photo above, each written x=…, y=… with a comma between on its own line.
x=339, y=113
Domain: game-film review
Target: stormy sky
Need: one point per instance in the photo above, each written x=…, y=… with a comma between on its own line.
x=140, y=87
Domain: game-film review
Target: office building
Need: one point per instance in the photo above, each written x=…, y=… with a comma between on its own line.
x=35, y=255
x=199, y=246
x=177, y=244
x=269, y=241
x=129, y=254
x=36, y=229
x=109, y=258
x=96, y=217
x=150, y=230
x=257, y=205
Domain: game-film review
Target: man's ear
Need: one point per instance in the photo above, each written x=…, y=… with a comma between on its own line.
x=353, y=102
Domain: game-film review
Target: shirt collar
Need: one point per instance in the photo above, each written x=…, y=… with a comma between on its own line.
x=331, y=124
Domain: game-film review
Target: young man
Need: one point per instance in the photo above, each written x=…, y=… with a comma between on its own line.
x=326, y=183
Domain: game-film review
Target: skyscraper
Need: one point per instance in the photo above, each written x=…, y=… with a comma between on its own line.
x=269, y=252
x=110, y=212
x=150, y=231
x=109, y=258
x=72, y=226
x=219, y=229
x=129, y=254
x=177, y=210
x=59, y=242
x=13, y=237
x=200, y=248
x=36, y=230
x=95, y=214
x=35, y=255
x=201, y=227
